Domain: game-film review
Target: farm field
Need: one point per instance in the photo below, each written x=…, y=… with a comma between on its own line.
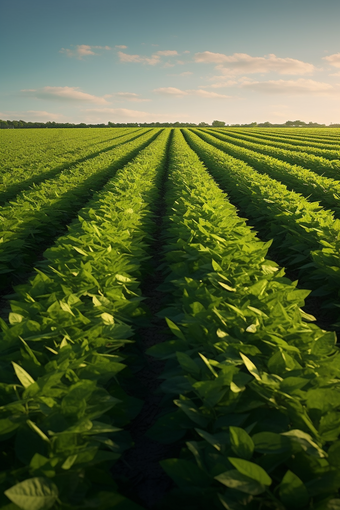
x=169, y=315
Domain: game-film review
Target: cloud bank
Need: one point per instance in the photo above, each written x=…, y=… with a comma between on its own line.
x=241, y=63
x=83, y=50
x=63, y=94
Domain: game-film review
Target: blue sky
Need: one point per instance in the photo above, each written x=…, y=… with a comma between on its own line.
x=186, y=60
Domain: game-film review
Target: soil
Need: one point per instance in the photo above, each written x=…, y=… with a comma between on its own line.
x=147, y=482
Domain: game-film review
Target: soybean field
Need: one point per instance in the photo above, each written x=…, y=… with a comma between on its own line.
x=169, y=313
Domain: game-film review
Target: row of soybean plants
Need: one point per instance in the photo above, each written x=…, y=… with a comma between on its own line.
x=250, y=389
x=67, y=349
x=317, y=164
x=330, y=136
x=305, y=236
x=297, y=178
x=32, y=145
x=46, y=163
x=40, y=213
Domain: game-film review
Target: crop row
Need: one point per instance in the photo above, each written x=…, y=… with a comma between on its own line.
x=32, y=146
x=305, y=236
x=317, y=164
x=42, y=212
x=16, y=179
x=309, y=138
x=297, y=178
x=63, y=353
x=255, y=387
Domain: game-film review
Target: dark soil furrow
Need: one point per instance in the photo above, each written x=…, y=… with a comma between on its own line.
x=138, y=473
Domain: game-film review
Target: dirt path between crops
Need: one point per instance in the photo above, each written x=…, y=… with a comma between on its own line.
x=147, y=482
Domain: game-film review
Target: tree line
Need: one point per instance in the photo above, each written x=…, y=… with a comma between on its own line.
x=19, y=124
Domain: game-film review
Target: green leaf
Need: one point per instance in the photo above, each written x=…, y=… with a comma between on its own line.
x=236, y=480
x=185, y=473
x=107, y=318
x=33, y=494
x=7, y=426
x=241, y=443
x=190, y=409
x=15, y=318
x=334, y=455
x=251, y=367
x=25, y=379
x=175, y=329
x=227, y=287
x=293, y=492
x=251, y=470
x=187, y=364
x=269, y=442
x=209, y=438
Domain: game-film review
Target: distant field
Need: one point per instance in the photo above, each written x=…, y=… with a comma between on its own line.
x=170, y=308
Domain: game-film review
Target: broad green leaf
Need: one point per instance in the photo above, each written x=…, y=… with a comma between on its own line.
x=241, y=443
x=15, y=318
x=185, y=473
x=251, y=367
x=107, y=318
x=293, y=492
x=33, y=494
x=236, y=480
x=269, y=442
x=247, y=468
x=7, y=426
x=175, y=329
x=187, y=363
x=209, y=438
x=25, y=379
x=227, y=287
x=208, y=364
x=191, y=410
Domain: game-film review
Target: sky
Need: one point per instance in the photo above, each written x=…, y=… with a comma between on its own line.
x=96, y=61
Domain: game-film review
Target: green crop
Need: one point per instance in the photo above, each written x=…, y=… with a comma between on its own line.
x=256, y=386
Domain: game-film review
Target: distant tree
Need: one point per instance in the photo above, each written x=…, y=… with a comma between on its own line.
x=204, y=124
x=218, y=123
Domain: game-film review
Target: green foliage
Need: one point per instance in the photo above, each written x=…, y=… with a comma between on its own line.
x=64, y=350
x=257, y=380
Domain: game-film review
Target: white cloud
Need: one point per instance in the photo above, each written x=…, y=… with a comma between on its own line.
x=334, y=60
x=153, y=60
x=83, y=50
x=241, y=63
x=130, y=96
x=63, y=94
x=167, y=53
x=121, y=46
x=291, y=87
x=174, y=92
x=170, y=91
